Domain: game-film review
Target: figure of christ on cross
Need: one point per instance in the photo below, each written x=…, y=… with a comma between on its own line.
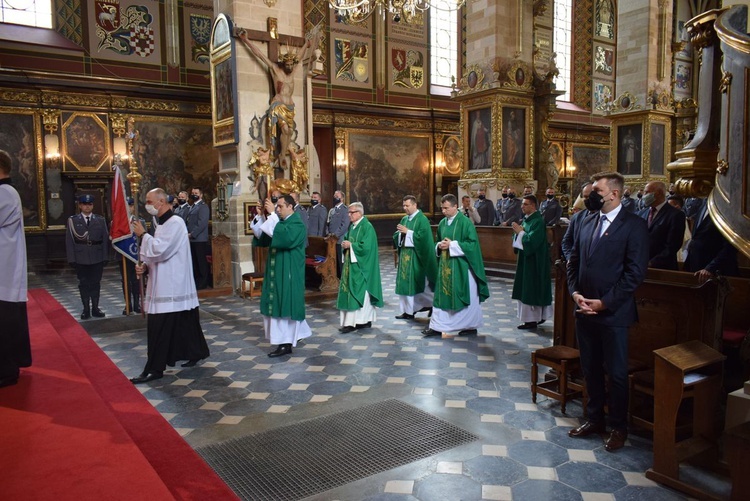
x=281, y=110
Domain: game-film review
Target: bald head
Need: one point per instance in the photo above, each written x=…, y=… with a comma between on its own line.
x=659, y=189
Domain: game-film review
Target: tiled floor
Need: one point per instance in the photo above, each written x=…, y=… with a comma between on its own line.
x=479, y=383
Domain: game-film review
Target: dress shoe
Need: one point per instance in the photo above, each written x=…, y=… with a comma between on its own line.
x=364, y=326
x=527, y=326
x=405, y=316
x=586, y=429
x=616, y=440
x=190, y=363
x=8, y=381
x=468, y=332
x=281, y=350
x=347, y=329
x=85, y=315
x=96, y=312
x=145, y=378
x=431, y=332
x=541, y=321
x=136, y=309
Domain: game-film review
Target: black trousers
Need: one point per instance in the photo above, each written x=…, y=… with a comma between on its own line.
x=134, y=286
x=15, y=347
x=199, y=251
x=89, y=283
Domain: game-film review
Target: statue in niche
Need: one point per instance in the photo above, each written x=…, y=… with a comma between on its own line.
x=605, y=19
x=281, y=125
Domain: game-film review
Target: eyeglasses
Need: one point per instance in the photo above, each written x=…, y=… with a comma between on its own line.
x=353, y=211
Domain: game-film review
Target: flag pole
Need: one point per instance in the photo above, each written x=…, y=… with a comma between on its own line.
x=135, y=185
x=125, y=285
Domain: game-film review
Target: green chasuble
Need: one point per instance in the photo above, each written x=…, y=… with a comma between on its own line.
x=364, y=275
x=283, y=292
x=415, y=263
x=533, y=285
x=452, y=291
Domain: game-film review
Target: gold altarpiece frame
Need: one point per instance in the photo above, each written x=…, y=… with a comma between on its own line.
x=642, y=146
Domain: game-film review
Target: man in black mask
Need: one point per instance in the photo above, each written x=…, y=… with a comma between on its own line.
x=182, y=205
x=317, y=217
x=550, y=209
x=627, y=203
x=502, y=204
x=485, y=208
x=338, y=224
x=513, y=213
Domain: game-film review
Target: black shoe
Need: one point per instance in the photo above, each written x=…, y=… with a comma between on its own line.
x=145, y=378
x=190, y=363
x=431, y=332
x=125, y=312
x=8, y=381
x=97, y=313
x=586, y=429
x=468, y=332
x=405, y=316
x=527, y=326
x=541, y=322
x=347, y=329
x=85, y=315
x=281, y=350
x=136, y=309
x=364, y=326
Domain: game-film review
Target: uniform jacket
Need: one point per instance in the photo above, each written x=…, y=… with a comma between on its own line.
x=339, y=223
x=316, y=224
x=87, y=245
x=551, y=211
x=513, y=211
x=486, y=210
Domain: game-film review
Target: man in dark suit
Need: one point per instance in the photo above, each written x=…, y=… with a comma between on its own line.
x=567, y=240
x=485, y=208
x=197, y=226
x=627, y=203
x=607, y=262
x=666, y=227
x=550, y=209
x=709, y=252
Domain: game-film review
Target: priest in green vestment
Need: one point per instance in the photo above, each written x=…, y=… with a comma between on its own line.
x=417, y=264
x=282, y=301
x=461, y=282
x=532, y=286
x=360, y=290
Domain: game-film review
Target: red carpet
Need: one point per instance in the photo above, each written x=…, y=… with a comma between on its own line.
x=74, y=427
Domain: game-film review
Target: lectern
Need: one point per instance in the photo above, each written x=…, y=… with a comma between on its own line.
x=688, y=367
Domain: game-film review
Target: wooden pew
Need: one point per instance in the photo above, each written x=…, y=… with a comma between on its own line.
x=323, y=247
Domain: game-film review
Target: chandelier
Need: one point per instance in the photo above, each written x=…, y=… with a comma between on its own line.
x=357, y=11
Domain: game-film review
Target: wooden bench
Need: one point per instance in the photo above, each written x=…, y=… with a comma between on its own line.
x=320, y=256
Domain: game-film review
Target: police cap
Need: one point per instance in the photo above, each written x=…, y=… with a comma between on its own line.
x=86, y=199
x=131, y=201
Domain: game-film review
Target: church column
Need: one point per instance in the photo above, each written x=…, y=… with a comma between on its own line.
x=271, y=25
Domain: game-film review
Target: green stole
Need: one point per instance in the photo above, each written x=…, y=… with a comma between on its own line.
x=364, y=275
x=416, y=263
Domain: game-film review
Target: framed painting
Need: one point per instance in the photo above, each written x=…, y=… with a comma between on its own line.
x=683, y=79
x=251, y=210
x=85, y=142
x=479, y=154
x=629, y=148
x=384, y=166
x=604, y=60
x=452, y=155
x=20, y=136
x=223, y=83
x=589, y=160
x=514, y=144
x=602, y=93
x=175, y=155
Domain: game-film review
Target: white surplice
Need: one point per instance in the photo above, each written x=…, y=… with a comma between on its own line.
x=13, y=285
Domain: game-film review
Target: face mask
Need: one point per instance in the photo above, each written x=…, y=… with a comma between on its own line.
x=640, y=195
x=505, y=195
x=648, y=199
x=626, y=194
x=671, y=192
x=550, y=197
x=314, y=202
x=511, y=195
x=336, y=201
x=481, y=197
x=152, y=210
x=595, y=202
x=194, y=198
x=181, y=201
x=274, y=199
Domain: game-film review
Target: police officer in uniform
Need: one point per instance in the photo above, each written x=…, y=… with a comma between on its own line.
x=86, y=243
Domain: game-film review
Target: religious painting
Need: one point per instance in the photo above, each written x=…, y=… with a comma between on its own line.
x=480, y=139
x=20, y=137
x=683, y=79
x=629, y=149
x=602, y=94
x=383, y=165
x=85, y=142
x=352, y=63
x=656, y=149
x=126, y=30
x=605, y=18
x=223, y=83
x=176, y=155
x=604, y=60
x=587, y=160
x=514, y=138
x=407, y=70
x=452, y=156
x=251, y=210
x=558, y=157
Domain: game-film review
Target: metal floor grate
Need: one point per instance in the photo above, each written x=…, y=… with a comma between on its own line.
x=313, y=456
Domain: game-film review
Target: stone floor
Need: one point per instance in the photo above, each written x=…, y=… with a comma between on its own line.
x=480, y=383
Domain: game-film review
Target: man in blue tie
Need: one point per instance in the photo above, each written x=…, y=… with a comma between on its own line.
x=607, y=263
